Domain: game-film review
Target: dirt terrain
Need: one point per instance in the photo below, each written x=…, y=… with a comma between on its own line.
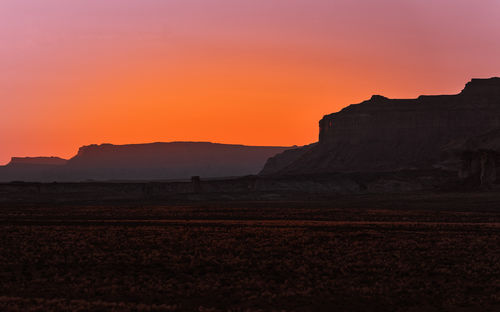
x=405, y=252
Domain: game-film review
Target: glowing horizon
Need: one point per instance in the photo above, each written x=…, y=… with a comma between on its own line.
x=260, y=72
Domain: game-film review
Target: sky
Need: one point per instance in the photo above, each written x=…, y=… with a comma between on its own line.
x=254, y=72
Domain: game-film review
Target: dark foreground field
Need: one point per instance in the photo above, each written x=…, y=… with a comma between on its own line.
x=422, y=252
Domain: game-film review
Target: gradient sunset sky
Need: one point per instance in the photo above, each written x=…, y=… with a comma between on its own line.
x=255, y=72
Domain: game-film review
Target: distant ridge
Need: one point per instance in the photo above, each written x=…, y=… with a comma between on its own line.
x=20, y=161
x=149, y=161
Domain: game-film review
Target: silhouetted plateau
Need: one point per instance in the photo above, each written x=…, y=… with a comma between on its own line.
x=457, y=133
x=36, y=161
x=31, y=168
x=155, y=161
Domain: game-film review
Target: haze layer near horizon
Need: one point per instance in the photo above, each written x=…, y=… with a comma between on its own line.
x=260, y=72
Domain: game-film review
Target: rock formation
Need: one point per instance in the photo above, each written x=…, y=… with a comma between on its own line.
x=384, y=134
x=30, y=168
x=22, y=161
x=155, y=161
x=477, y=158
x=282, y=160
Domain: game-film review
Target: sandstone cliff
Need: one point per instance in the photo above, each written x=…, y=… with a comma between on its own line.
x=384, y=134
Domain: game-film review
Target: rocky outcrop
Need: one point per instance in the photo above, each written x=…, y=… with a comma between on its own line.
x=384, y=134
x=284, y=159
x=477, y=159
x=479, y=167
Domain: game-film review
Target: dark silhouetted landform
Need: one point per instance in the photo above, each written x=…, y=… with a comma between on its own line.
x=458, y=133
x=422, y=142
x=36, y=161
x=31, y=168
x=154, y=161
x=279, y=162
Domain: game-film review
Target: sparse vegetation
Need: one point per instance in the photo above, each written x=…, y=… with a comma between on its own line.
x=252, y=257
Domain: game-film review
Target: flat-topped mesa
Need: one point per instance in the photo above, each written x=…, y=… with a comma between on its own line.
x=384, y=134
x=168, y=160
x=55, y=161
x=146, y=162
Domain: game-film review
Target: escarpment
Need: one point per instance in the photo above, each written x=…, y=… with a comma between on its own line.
x=383, y=134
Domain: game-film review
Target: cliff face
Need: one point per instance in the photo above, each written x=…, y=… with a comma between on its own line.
x=384, y=134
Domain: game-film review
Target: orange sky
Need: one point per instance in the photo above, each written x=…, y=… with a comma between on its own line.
x=260, y=72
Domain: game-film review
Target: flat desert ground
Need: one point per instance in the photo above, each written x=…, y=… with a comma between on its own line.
x=413, y=252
